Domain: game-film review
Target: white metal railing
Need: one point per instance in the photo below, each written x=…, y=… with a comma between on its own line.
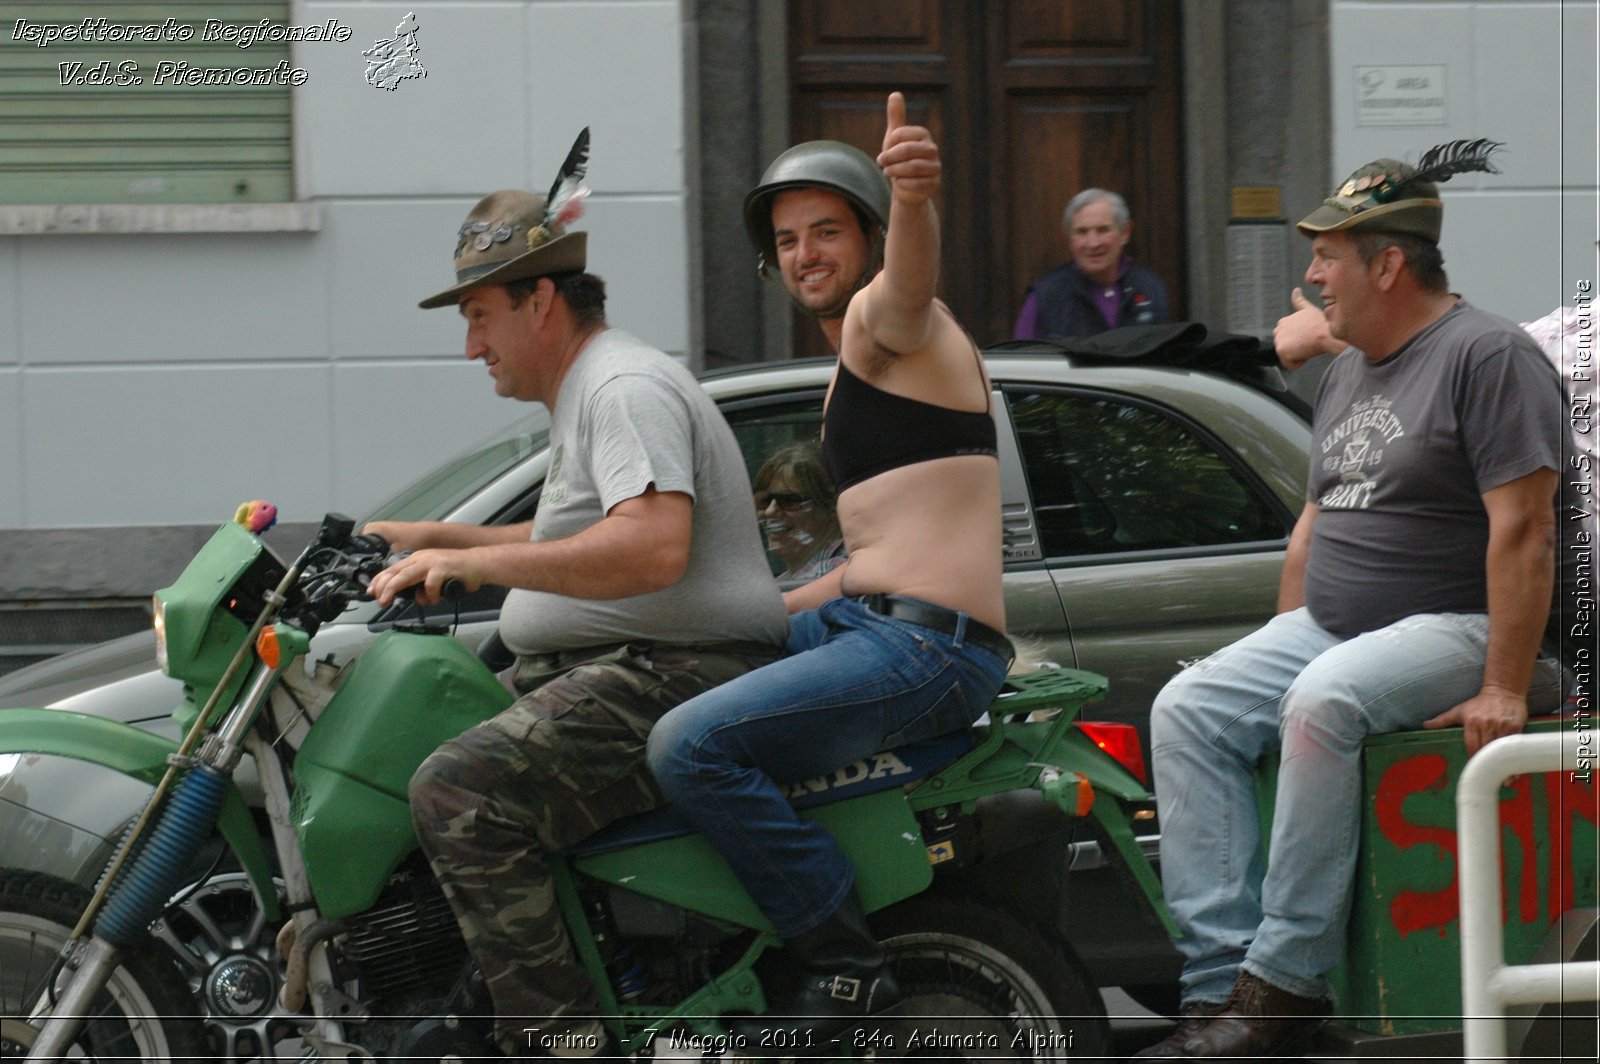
x=1488, y=984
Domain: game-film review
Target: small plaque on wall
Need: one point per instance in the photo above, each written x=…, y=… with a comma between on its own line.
x=1258, y=276
x=1256, y=201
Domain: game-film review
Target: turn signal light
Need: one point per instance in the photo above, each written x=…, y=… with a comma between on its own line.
x=1085, y=795
x=267, y=648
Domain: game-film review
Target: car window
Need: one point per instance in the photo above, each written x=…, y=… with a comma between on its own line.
x=437, y=494
x=768, y=428
x=762, y=428
x=1110, y=475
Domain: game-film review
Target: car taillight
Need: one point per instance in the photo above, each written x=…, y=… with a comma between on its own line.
x=1121, y=741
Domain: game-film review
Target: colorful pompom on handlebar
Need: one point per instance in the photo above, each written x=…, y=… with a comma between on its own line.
x=257, y=515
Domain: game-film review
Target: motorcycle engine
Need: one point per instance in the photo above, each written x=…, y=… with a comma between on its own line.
x=406, y=943
x=404, y=959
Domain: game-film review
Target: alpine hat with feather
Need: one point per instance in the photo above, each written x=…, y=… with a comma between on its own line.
x=512, y=235
x=1389, y=196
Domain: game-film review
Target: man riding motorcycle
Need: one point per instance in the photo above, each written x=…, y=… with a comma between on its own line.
x=640, y=583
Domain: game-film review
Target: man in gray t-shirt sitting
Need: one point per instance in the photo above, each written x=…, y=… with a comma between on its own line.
x=1415, y=593
x=641, y=583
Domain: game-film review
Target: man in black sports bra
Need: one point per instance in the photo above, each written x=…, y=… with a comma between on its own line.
x=905, y=640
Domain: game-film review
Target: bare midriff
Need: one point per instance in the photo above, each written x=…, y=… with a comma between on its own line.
x=929, y=531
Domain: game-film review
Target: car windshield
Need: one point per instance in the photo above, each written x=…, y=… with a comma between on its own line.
x=435, y=496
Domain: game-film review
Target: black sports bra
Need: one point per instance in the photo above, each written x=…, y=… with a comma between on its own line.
x=867, y=431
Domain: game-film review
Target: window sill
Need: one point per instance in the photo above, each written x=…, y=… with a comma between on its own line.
x=102, y=218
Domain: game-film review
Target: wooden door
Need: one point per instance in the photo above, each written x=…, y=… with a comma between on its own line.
x=1030, y=101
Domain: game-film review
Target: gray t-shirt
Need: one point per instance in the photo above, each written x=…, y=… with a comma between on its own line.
x=1402, y=452
x=628, y=416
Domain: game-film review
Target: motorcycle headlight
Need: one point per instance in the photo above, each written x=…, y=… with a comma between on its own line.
x=158, y=618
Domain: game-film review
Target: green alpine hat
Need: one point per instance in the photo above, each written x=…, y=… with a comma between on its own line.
x=1389, y=196
x=506, y=238
x=512, y=235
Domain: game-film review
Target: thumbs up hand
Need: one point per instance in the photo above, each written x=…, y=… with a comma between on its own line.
x=1303, y=335
x=910, y=158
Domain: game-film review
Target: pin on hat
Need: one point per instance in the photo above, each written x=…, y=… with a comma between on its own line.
x=1389, y=196
x=512, y=235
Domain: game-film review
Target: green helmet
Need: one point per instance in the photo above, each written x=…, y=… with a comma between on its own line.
x=828, y=164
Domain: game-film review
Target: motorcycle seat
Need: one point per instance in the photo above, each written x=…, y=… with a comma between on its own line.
x=881, y=771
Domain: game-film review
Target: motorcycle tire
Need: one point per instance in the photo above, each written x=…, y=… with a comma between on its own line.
x=144, y=1012
x=980, y=982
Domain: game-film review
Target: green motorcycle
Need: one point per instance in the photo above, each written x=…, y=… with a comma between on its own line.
x=369, y=963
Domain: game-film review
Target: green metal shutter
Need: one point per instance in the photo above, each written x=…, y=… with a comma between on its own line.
x=140, y=143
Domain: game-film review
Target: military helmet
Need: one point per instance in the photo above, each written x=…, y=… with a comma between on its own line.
x=828, y=164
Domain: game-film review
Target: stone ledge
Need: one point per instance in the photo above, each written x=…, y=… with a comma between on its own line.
x=66, y=564
x=50, y=626
x=101, y=218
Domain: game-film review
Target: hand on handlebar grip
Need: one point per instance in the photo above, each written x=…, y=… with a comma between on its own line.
x=409, y=574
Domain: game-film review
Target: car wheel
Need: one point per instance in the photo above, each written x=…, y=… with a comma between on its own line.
x=218, y=934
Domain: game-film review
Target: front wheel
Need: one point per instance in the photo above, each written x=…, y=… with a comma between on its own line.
x=980, y=982
x=142, y=1014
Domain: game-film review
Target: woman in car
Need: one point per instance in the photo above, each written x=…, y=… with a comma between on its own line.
x=798, y=511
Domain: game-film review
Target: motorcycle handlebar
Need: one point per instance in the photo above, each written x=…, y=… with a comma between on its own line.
x=339, y=569
x=452, y=592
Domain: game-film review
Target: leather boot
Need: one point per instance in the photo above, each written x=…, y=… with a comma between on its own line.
x=834, y=975
x=1258, y=1020
x=1191, y=1019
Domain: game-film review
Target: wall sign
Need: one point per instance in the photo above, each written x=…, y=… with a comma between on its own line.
x=1400, y=96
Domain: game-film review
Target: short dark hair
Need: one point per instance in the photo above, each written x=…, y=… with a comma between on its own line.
x=1423, y=257
x=584, y=292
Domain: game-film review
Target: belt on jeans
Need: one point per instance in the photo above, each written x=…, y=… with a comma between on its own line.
x=940, y=619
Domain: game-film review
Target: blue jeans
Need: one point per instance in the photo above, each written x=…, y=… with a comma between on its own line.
x=1295, y=687
x=856, y=683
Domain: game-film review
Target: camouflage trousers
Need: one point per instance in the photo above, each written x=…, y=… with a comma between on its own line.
x=565, y=760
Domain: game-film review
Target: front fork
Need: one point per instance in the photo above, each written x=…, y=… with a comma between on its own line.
x=91, y=969
x=130, y=899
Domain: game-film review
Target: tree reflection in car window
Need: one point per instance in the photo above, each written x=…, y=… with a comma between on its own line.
x=1110, y=476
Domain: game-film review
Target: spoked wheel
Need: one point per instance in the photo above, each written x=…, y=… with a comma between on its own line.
x=219, y=936
x=980, y=983
x=142, y=1014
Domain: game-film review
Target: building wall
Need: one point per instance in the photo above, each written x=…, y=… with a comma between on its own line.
x=1259, y=125
x=1521, y=72
x=152, y=380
